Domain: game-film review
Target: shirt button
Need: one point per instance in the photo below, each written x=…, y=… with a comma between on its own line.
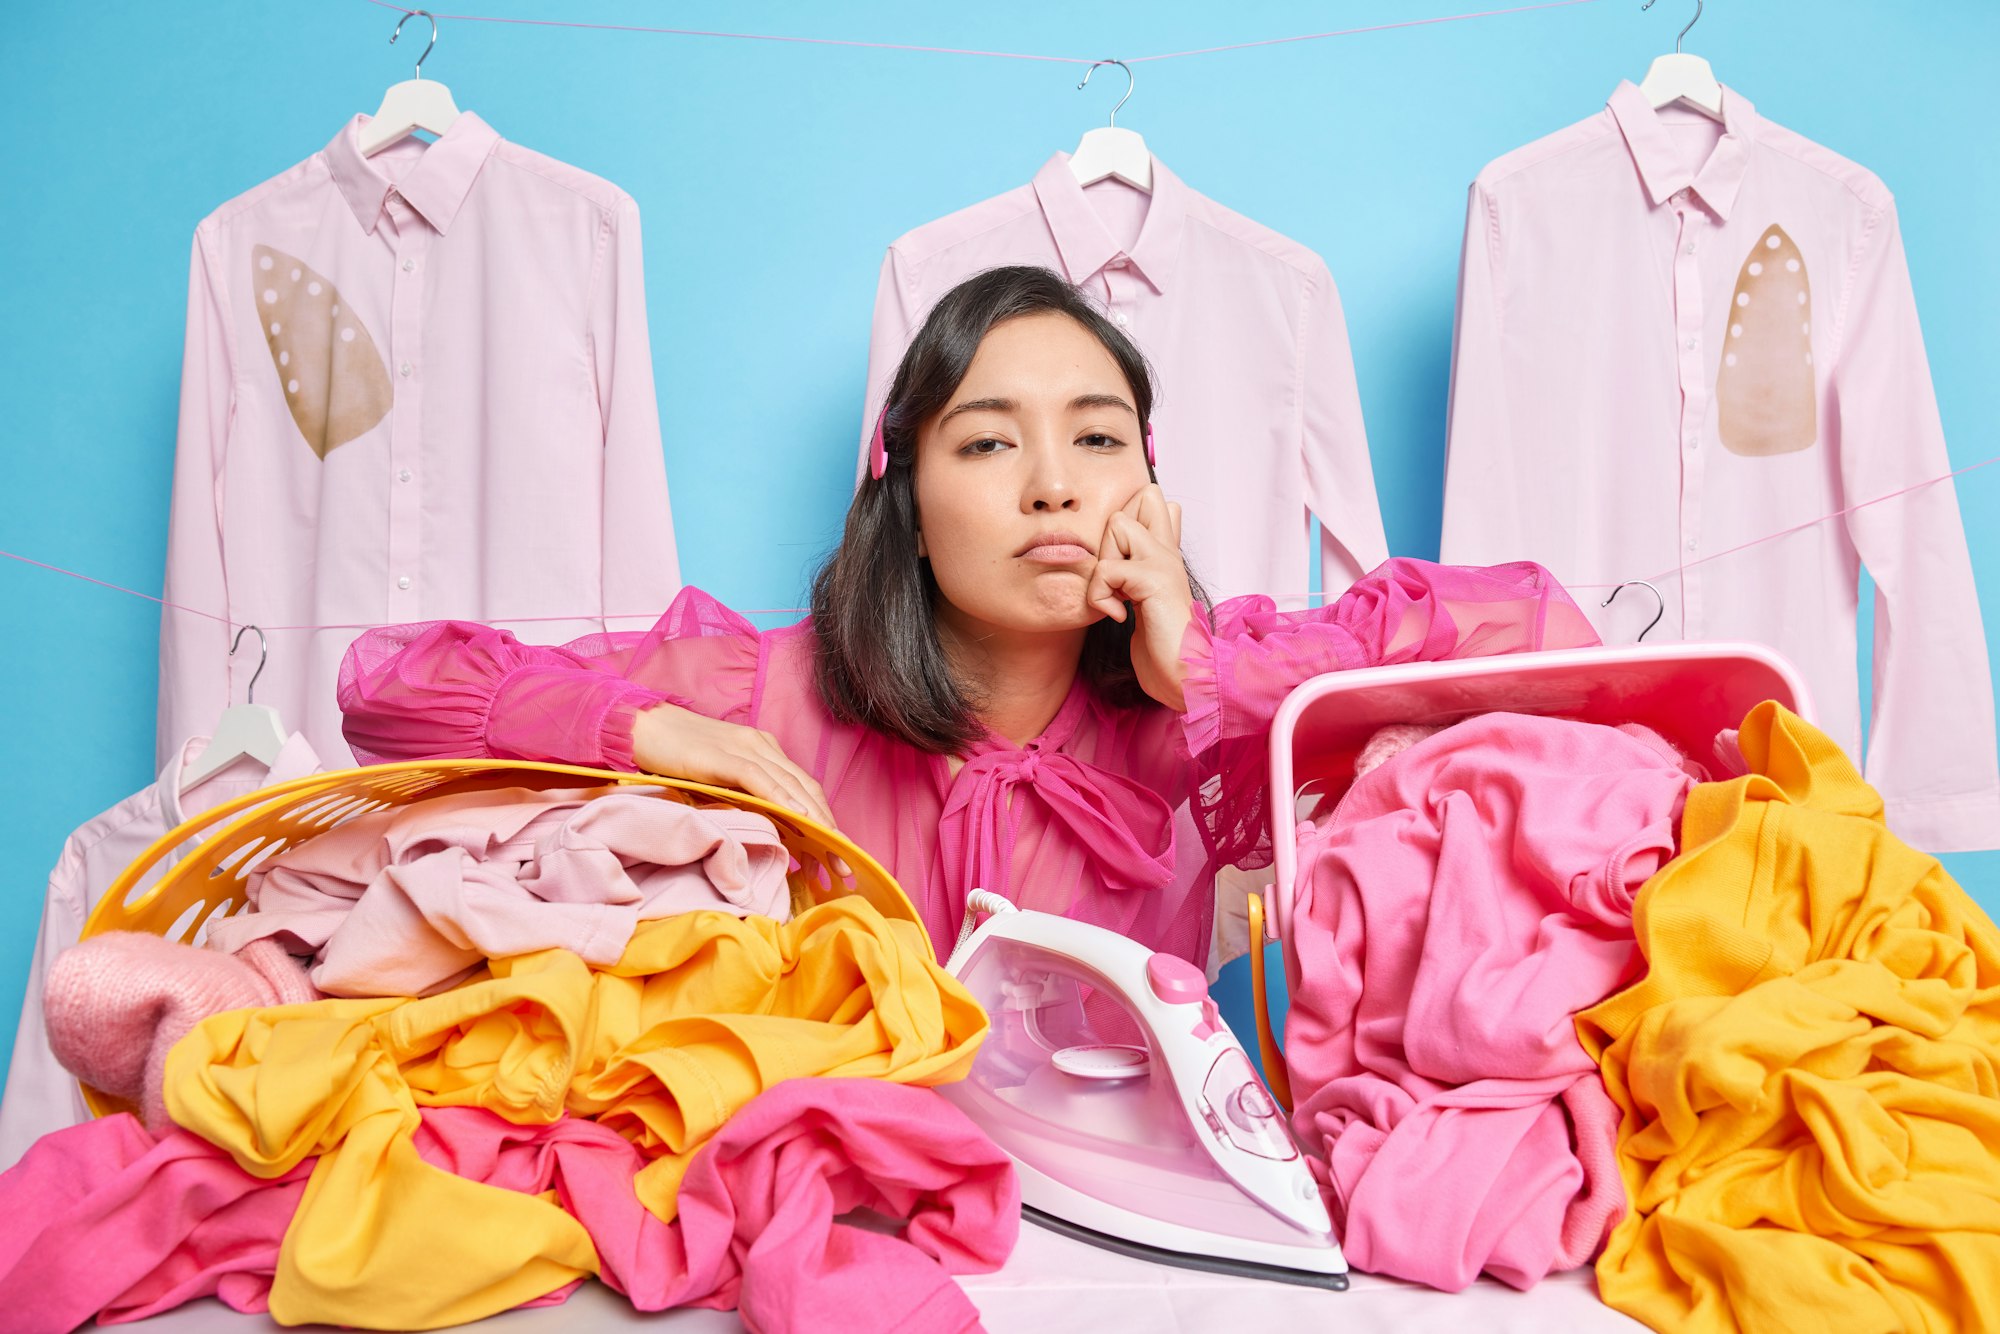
x=1689, y=345
x=404, y=582
x=406, y=367
x=1693, y=443
x=403, y=476
x=410, y=265
x=1690, y=251
x=1118, y=263
x=1690, y=548
x=1120, y=319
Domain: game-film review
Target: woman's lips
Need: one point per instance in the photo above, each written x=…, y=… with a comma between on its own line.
x=1056, y=549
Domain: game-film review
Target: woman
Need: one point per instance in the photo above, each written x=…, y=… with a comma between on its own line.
x=1004, y=683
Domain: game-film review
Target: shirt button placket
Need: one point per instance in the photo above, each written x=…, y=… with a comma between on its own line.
x=405, y=472
x=1692, y=359
x=1118, y=291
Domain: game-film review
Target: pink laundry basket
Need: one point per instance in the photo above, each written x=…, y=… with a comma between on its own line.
x=1685, y=692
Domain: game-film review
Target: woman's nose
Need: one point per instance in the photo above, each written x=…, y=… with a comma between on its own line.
x=1050, y=487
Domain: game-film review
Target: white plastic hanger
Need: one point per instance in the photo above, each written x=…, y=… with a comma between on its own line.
x=1113, y=153
x=412, y=105
x=1683, y=78
x=249, y=730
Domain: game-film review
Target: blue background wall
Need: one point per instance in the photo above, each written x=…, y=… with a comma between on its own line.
x=770, y=177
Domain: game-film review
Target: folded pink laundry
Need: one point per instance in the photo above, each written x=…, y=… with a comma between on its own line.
x=117, y=1003
x=406, y=901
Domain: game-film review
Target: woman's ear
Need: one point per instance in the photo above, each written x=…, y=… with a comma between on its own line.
x=923, y=552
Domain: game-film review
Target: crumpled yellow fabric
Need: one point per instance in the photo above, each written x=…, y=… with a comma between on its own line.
x=1809, y=1073
x=703, y=1012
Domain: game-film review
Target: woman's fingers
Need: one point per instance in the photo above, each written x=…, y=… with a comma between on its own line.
x=1102, y=590
x=810, y=799
x=1154, y=515
x=775, y=785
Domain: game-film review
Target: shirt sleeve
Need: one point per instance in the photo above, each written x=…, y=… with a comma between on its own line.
x=1480, y=466
x=457, y=689
x=1340, y=478
x=1931, y=741
x=194, y=648
x=641, y=565
x=1240, y=664
x=895, y=324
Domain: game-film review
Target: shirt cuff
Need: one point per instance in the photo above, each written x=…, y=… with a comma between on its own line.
x=1961, y=822
x=1201, y=723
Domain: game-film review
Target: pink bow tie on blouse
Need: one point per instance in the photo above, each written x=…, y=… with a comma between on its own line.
x=1125, y=829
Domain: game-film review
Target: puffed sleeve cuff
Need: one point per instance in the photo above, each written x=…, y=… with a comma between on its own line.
x=558, y=715
x=1201, y=722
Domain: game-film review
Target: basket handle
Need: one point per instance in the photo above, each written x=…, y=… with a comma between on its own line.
x=1267, y=1043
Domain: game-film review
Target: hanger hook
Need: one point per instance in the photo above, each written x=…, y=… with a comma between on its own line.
x=263, y=655
x=427, y=50
x=1656, y=597
x=1130, y=82
x=1684, y=31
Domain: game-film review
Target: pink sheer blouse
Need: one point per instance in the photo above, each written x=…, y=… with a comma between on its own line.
x=1093, y=819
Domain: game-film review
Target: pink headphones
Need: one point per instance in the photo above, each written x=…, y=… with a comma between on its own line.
x=878, y=448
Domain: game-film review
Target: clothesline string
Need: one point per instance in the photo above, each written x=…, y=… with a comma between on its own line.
x=971, y=51
x=795, y=611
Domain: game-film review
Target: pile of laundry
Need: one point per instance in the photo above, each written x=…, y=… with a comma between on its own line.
x=1561, y=993
x=459, y=1056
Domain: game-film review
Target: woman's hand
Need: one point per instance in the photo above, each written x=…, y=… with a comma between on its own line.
x=1139, y=561
x=678, y=743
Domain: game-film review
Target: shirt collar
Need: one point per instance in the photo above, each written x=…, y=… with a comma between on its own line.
x=295, y=759
x=435, y=185
x=1084, y=243
x=1662, y=168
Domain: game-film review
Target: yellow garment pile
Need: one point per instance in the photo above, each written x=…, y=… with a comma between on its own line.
x=1810, y=1071
x=703, y=1013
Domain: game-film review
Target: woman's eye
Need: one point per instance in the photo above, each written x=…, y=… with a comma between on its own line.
x=985, y=446
x=1101, y=441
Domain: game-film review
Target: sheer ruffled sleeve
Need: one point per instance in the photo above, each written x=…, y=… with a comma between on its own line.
x=1240, y=667
x=446, y=689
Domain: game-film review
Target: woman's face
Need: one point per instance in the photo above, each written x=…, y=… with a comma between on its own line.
x=1019, y=473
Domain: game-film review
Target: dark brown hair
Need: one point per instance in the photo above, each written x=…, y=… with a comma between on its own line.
x=877, y=651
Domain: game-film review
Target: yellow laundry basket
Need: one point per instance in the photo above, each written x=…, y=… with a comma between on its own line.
x=231, y=840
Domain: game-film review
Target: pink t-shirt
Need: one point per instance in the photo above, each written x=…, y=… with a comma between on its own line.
x=1093, y=819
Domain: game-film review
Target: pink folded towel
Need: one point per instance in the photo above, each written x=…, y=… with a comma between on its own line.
x=117, y=1003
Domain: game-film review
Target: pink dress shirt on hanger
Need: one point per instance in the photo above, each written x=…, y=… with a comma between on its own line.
x=41, y=1096
x=1259, y=418
x=1677, y=337
x=415, y=384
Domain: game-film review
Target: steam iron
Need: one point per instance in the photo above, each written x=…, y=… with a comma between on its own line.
x=1134, y=1118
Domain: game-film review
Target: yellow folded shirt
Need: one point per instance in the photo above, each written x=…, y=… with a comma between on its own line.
x=703, y=1012
x=1809, y=1073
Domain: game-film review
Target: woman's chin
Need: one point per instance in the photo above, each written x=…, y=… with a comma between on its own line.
x=1058, y=605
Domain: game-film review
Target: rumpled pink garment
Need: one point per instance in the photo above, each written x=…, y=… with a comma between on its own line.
x=103, y=1219
x=1456, y=911
x=404, y=901
x=115, y=1005
x=1081, y=821
x=757, y=1228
